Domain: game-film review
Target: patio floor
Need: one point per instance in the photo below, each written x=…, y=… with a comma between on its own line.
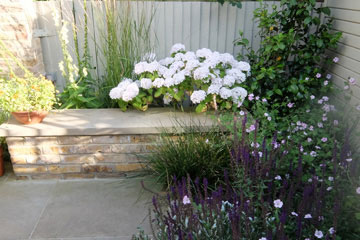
x=73, y=209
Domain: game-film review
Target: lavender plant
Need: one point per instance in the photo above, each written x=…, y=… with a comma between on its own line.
x=264, y=196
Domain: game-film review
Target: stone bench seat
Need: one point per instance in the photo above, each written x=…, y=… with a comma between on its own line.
x=90, y=143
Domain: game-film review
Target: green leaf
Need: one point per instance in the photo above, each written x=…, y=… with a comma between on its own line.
x=157, y=93
x=293, y=88
x=200, y=108
x=278, y=91
x=319, y=43
x=326, y=10
x=307, y=20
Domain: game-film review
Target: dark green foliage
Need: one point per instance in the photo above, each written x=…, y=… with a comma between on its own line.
x=192, y=152
x=291, y=62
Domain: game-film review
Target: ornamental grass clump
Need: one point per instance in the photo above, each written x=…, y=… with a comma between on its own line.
x=209, y=79
x=263, y=196
x=190, y=151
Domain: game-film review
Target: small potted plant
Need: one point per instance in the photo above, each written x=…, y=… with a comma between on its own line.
x=27, y=98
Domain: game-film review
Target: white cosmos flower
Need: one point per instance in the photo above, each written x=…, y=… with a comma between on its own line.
x=146, y=83
x=278, y=203
x=198, y=96
x=318, y=234
x=178, y=47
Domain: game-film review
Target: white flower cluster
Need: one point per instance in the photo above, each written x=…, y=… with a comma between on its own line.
x=127, y=90
x=208, y=72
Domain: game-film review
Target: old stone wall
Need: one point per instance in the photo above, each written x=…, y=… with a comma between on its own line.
x=17, y=27
x=66, y=157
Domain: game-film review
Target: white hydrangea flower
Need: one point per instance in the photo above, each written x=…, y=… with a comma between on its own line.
x=192, y=64
x=140, y=68
x=146, y=83
x=201, y=73
x=132, y=90
x=116, y=93
x=169, y=82
x=237, y=74
x=227, y=58
x=169, y=73
x=124, y=83
x=162, y=70
x=198, y=96
x=217, y=81
x=203, y=53
x=213, y=60
x=189, y=56
x=178, y=47
x=179, y=57
x=225, y=93
x=239, y=94
x=167, y=99
x=243, y=66
x=229, y=81
x=179, y=77
x=177, y=65
x=158, y=82
x=167, y=61
x=214, y=89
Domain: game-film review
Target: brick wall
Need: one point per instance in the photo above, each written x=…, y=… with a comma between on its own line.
x=78, y=156
x=17, y=25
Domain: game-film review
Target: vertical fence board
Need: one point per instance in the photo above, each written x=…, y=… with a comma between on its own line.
x=196, y=24
x=51, y=47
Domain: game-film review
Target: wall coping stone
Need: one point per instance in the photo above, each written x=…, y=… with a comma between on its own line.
x=92, y=122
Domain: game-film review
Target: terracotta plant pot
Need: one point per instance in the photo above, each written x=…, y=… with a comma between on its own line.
x=1, y=161
x=30, y=117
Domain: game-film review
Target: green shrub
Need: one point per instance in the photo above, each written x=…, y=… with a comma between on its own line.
x=291, y=62
x=189, y=150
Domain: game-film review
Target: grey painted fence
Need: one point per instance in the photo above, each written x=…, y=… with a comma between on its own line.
x=196, y=24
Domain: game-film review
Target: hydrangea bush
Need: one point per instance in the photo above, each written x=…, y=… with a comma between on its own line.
x=210, y=79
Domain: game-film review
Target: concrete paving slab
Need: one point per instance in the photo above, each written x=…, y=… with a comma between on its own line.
x=95, y=209
x=21, y=205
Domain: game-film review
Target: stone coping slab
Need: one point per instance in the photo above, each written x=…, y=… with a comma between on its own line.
x=90, y=122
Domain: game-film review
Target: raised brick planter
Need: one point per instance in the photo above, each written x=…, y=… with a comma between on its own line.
x=88, y=143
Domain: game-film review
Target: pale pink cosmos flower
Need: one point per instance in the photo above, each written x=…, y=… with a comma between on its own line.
x=308, y=216
x=278, y=177
x=328, y=76
x=186, y=200
x=348, y=159
x=294, y=214
x=264, y=100
x=251, y=128
x=346, y=87
x=324, y=139
x=278, y=203
x=358, y=190
x=358, y=108
x=326, y=83
x=290, y=105
x=331, y=179
x=309, y=140
x=242, y=113
x=312, y=97
x=336, y=59
x=318, y=234
x=257, y=98
x=331, y=230
x=251, y=97
x=263, y=238
x=352, y=81
x=269, y=118
x=318, y=75
x=329, y=189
